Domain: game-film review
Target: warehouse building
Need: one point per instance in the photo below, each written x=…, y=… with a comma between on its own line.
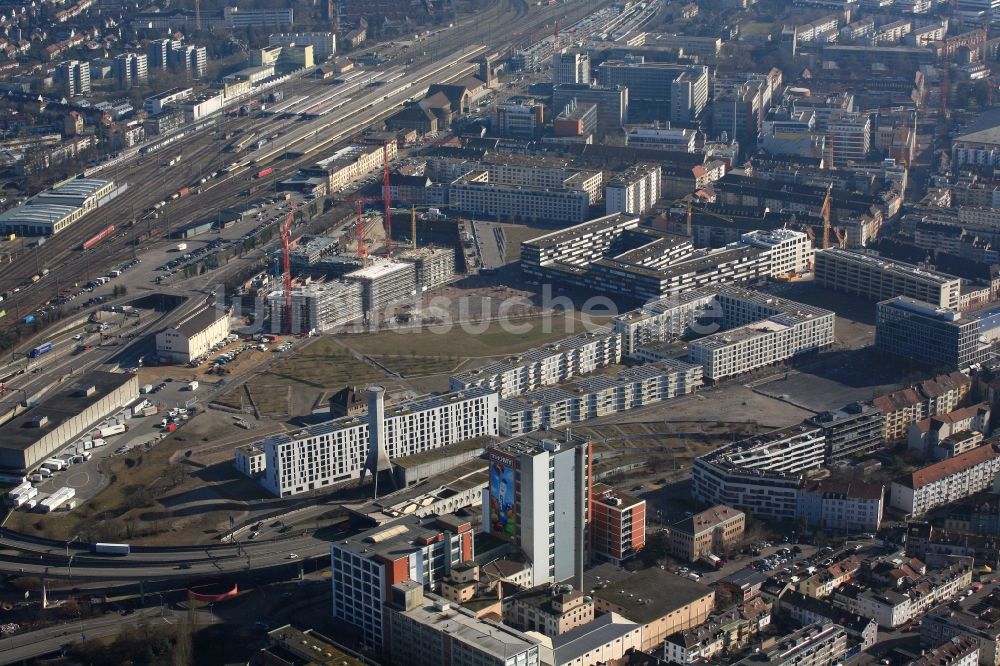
x=337, y=450
x=194, y=336
x=50, y=212
x=320, y=307
x=872, y=277
x=593, y=397
x=35, y=433
x=930, y=334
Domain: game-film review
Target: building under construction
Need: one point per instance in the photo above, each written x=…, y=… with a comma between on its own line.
x=434, y=267
x=384, y=282
x=319, y=306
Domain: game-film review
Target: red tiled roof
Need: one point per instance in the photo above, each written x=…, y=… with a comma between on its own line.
x=939, y=470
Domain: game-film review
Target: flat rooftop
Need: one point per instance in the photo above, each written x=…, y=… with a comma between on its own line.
x=643, y=596
x=18, y=433
x=590, y=227
x=878, y=263
x=379, y=269
x=493, y=638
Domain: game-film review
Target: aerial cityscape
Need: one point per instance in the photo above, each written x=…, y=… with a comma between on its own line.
x=500, y=332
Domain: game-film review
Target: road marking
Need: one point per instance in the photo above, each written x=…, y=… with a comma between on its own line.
x=72, y=483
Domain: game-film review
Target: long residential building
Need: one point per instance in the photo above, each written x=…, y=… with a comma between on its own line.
x=593, y=397
x=337, y=450
x=869, y=276
x=613, y=255
x=556, y=362
x=946, y=481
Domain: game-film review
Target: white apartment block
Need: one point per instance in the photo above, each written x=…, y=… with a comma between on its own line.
x=593, y=397
x=557, y=362
x=194, y=336
x=947, y=481
x=524, y=193
x=634, y=191
x=761, y=474
x=790, y=251
x=870, y=276
x=892, y=33
x=336, y=451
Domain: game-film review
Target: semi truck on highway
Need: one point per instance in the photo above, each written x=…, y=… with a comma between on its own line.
x=111, y=548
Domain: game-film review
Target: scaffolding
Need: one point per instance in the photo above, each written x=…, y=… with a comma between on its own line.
x=319, y=306
x=434, y=267
x=384, y=283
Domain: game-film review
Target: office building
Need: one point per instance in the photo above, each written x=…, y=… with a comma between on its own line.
x=576, y=121
x=761, y=474
x=930, y=334
x=234, y=17
x=849, y=137
x=634, y=191
x=316, y=307
x=571, y=66
x=324, y=43
x=946, y=481
x=481, y=193
x=539, y=500
x=338, y=450
x=193, y=337
x=661, y=138
x=160, y=102
x=869, y=276
x=557, y=362
x=682, y=89
x=601, y=395
x=365, y=567
x=715, y=531
x=814, y=645
x=130, y=69
x=611, y=102
x=617, y=525
x=31, y=435
x=519, y=118
x=75, y=76
x=428, y=630
x=854, y=430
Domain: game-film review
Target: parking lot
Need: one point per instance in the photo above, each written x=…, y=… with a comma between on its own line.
x=86, y=477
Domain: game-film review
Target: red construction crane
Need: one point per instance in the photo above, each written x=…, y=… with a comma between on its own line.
x=387, y=199
x=286, y=273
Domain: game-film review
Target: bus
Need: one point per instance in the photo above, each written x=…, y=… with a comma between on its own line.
x=40, y=349
x=111, y=548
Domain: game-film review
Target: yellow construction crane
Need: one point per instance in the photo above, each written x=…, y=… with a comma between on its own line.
x=413, y=220
x=703, y=211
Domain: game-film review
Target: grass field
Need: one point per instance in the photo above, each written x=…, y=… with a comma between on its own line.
x=457, y=343
x=417, y=366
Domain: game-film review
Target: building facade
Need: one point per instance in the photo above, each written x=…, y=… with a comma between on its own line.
x=877, y=279
x=194, y=336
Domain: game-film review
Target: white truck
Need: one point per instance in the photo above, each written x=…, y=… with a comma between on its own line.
x=108, y=431
x=193, y=386
x=137, y=409
x=55, y=464
x=181, y=247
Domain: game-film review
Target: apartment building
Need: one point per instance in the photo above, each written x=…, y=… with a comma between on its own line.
x=790, y=251
x=946, y=481
x=761, y=474
x=427, y=630
x=337, y=450
x=869, y=276
x=365, y=567
x=978, y=147
x=854, y=430
x=594, y=397
x=942, y=624
x=715, y=531
x=936, y=396
x=614, y=255
x=814, y=645
x=521, y=196
x=540, y=500
x=548, y=610
x=893, y=33
x=842, y=507
x=130, y=69
x=193, y=337
x=740, y=350
x=957, y=651
x=634, y=191
x=557, y=362
x=928, y=333
x=617, y=524
x=75, y=77
x=938, y=436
